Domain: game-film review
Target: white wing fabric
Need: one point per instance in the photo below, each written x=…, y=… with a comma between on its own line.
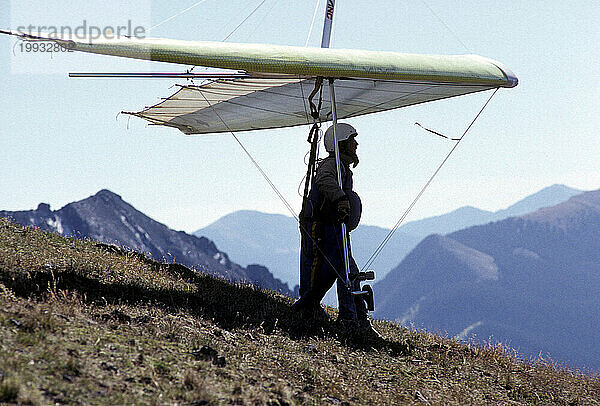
x=252, y=104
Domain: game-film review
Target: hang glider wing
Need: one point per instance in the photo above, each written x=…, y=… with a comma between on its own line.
x=281, y=77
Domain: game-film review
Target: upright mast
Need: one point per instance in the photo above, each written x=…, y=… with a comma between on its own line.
x=366, y=292
x=328, y=23
x=339, y=176
x=325, y=44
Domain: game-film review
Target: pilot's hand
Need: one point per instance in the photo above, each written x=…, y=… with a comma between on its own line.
x=343, y=210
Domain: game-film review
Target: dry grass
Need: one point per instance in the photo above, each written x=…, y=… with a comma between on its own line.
x=83, y=324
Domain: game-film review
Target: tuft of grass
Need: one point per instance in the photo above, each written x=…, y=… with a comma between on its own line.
x=161, y=368
x=9, y=390
x=71, y=367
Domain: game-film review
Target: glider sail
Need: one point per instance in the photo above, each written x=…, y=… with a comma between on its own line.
x=281, y=77
x=252, y=104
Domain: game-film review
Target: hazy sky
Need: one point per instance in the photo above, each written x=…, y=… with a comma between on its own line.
x=63, y=141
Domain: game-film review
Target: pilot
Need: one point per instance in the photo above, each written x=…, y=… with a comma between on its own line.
x=322, y=254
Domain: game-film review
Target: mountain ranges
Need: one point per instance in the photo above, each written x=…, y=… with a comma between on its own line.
x=106, y=218
x=527, y=276
x=531, y=282
x=274, y=240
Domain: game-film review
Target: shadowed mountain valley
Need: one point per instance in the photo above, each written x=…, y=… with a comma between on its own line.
x=531, y=281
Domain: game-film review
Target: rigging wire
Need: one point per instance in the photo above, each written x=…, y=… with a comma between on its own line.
x=261, y=24
x=197, y=4
x=178, y=14
x=446, y=25
x=312, y=24
x=403, y=217
x=244, y=20
x=263, y=173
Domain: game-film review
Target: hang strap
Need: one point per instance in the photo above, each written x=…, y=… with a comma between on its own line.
x=313, y=140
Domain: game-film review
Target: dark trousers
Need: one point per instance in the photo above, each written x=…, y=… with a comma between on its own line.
x=321, y=264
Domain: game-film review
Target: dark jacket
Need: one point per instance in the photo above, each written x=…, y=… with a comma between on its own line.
x=327, y=181
x=326, y=191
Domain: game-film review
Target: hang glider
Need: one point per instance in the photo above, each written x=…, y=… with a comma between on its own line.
x=276, y=80
x=269, y=87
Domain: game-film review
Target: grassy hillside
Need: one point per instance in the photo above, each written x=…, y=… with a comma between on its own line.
x=86, y=323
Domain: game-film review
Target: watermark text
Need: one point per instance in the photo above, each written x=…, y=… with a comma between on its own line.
x=84, y=31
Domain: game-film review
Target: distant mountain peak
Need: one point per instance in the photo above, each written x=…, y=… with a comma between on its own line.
x=560, y=187
x=107, y=194
x=44, y=208
x=476, y=263
x=546, y=197
x=577, y=207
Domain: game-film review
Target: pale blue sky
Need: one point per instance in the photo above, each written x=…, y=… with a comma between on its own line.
x=61, y=140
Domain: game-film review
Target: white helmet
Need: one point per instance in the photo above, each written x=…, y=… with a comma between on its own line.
x=343, y=132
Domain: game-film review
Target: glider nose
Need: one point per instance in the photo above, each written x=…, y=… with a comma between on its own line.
x=511, y=78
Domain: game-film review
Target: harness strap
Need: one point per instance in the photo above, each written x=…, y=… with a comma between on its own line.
x=314, y=110
x=313, y=140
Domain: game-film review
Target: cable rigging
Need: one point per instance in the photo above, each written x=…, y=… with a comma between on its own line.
x=403, y=217
x=244, y=20
x=446, y=25
x=312, y=24
x=178, y=14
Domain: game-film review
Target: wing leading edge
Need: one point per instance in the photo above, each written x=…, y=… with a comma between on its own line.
x=293, y=60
